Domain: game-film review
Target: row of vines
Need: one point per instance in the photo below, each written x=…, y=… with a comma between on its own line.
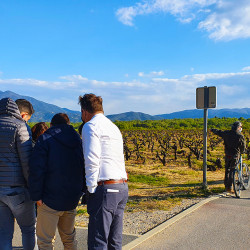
x=175, y=142
x=170, y=147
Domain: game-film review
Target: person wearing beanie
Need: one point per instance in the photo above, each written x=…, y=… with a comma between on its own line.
x=15, y=152
x=235, y=145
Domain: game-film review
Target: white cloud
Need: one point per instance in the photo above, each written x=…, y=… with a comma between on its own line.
x=126, y=15
x=208, y=76
x=222, y=19
x=246, y=68
x=157, y=96
x=151, y=74
x=32, y=82
x=157, y=73
x=38, y=83
x=165, y=80
x=74, y=78
x=180, y=8
x=231, y=90
x=231, y=20
x=181, y=92
x=83, y=81
x=69, y=103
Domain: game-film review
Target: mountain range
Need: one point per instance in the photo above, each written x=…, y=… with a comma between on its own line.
x=45, y=111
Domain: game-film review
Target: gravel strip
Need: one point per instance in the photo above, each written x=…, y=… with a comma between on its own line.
x=140, y=222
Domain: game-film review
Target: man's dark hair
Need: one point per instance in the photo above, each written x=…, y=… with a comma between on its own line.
x=25, y=106
x=236, y=125
x=91, y=103
x=60, y=118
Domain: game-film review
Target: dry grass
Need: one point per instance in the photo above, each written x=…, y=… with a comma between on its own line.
x=180, y=182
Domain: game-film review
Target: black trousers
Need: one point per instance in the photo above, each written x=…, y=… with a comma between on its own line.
x=106, y=208
x=230, y=164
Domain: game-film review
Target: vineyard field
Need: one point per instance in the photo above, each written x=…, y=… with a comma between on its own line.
x=165, y=165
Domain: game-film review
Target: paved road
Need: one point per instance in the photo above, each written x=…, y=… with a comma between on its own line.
x=222, y=223
x=81, y=235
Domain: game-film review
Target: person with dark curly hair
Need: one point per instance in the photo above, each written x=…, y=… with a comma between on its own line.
x=37, y=130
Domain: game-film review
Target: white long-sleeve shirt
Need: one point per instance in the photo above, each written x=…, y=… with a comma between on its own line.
x=103, y=151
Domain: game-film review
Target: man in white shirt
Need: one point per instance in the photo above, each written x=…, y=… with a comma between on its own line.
x=106, y=177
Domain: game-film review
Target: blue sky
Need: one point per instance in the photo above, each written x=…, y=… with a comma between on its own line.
x=146, y=56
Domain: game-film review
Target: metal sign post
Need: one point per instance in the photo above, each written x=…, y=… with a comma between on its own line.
x=205, y=149
x=205, y=98
x=206, y=93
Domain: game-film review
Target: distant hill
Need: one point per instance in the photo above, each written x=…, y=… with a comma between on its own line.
x=198, y=113
x=130, y=116
x=194, y=113
x=43, y=111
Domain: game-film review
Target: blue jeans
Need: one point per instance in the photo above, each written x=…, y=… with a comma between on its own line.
x=15, y=202
x=106, y=209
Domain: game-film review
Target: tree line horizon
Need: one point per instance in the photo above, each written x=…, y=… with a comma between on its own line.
x=223, y=123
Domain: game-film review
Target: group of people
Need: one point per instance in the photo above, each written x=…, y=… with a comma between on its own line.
x=53, y=168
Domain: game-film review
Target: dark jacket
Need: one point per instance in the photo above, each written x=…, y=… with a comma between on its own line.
x=234, y=142
x=15, y=145
x=57, y=174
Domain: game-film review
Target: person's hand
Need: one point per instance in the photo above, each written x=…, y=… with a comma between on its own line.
x=39, y=203
x=85, y=198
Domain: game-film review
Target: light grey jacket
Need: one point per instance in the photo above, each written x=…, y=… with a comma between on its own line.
x=15, y=145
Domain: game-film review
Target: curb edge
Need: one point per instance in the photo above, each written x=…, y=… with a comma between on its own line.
x=167, y=223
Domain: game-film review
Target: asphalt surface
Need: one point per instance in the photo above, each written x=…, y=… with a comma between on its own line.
x=222, y=223
x=81, y=235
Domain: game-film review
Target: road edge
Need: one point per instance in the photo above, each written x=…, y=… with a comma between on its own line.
x=167, y=223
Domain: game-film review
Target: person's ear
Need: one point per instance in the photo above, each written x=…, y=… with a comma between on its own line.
x=25, y=116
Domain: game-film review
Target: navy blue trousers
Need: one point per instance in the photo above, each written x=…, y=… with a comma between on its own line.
x=106, y=209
